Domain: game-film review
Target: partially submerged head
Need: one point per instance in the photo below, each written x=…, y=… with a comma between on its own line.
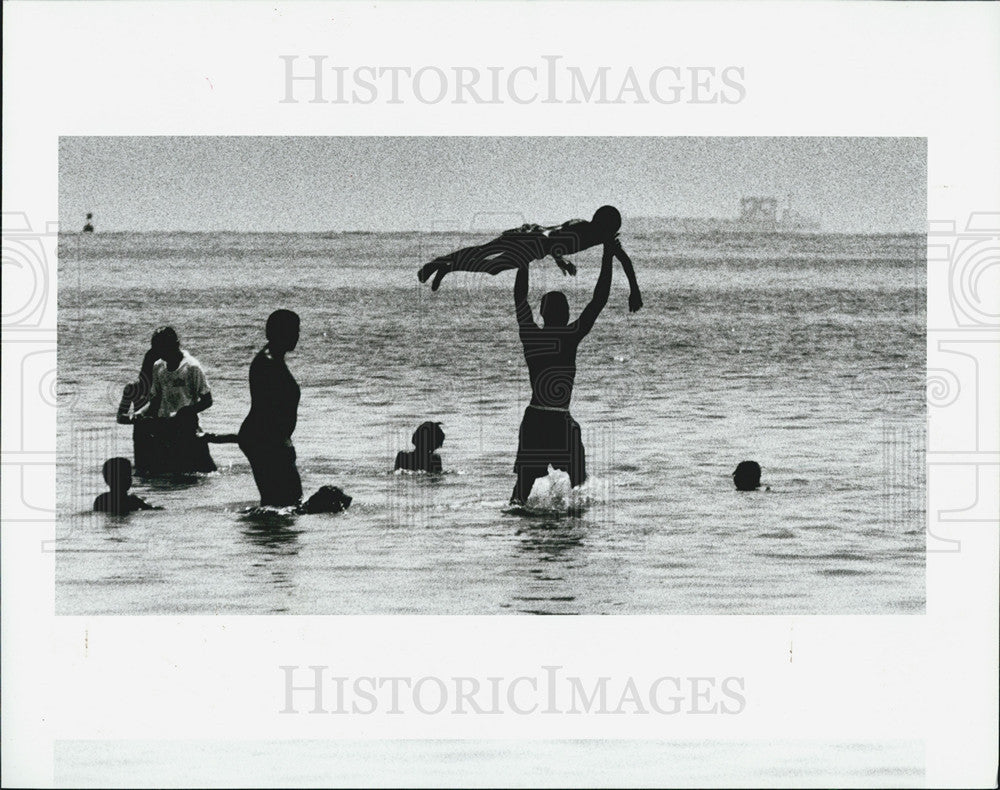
x=282, y=331
x=165, y=344
x=607, y=220
x=118, y=474
x=746, y=476
x=329, y=499
x=555, y=309
x=428, y=437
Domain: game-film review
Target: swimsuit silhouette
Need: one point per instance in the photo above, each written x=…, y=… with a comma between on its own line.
x=265, y=436
x=549, y=435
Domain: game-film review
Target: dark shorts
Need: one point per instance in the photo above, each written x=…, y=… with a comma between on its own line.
x=551, y=437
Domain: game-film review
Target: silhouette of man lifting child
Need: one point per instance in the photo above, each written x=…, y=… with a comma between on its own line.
x=548, y=433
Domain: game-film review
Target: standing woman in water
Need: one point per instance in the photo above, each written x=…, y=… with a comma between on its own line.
x=134, y=397
x=266, y=434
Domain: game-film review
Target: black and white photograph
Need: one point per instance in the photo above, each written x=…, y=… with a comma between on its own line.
x=509, y=375
x=508, y=394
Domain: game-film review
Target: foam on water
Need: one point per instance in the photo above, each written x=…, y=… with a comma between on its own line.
x=553, y=495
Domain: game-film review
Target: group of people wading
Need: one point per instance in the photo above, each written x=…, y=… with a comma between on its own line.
x=163, y=405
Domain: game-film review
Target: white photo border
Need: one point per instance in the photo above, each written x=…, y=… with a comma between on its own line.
x=816, y=69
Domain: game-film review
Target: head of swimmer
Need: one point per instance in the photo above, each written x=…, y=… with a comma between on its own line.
x=605, y=224
x=746, y=476
x=282, y=331
x=166, y=345
x=555, y=309
x=428, y=438
x=118, y=474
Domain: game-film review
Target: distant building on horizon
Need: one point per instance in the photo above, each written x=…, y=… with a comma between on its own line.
x=757, y=214
x=764, y=213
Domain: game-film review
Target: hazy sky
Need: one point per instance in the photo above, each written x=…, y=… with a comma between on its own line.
x=422, y=183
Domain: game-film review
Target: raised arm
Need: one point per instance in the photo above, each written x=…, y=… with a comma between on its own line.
x=634, y=297
x=600, y=298
x=521, y=307
x=564, y=264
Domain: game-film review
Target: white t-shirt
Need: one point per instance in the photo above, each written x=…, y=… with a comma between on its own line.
x=178, y=388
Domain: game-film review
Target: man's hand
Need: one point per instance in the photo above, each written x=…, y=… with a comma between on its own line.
x=634, y=301
x=124, y=419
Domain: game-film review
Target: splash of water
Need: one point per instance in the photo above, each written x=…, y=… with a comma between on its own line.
x=554, y=494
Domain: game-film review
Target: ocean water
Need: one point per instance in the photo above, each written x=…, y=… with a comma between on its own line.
x=805, y=353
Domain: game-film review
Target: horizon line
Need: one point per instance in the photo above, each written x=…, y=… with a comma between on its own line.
x=489, y=229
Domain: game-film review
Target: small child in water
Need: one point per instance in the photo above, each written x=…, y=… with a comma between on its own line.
x=426, y=439
x=746, y=476
x=118, y=501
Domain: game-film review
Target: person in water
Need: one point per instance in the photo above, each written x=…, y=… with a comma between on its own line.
x=118, y=501
x=178, y=392
x=549, y=434
x=265, y=436
x=134, y=397
x=89, y=226
x=746, y=476
x=427, y=439
x=519, y=246
x=328, y=499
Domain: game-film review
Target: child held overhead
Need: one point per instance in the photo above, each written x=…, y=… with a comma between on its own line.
x=519, y=246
